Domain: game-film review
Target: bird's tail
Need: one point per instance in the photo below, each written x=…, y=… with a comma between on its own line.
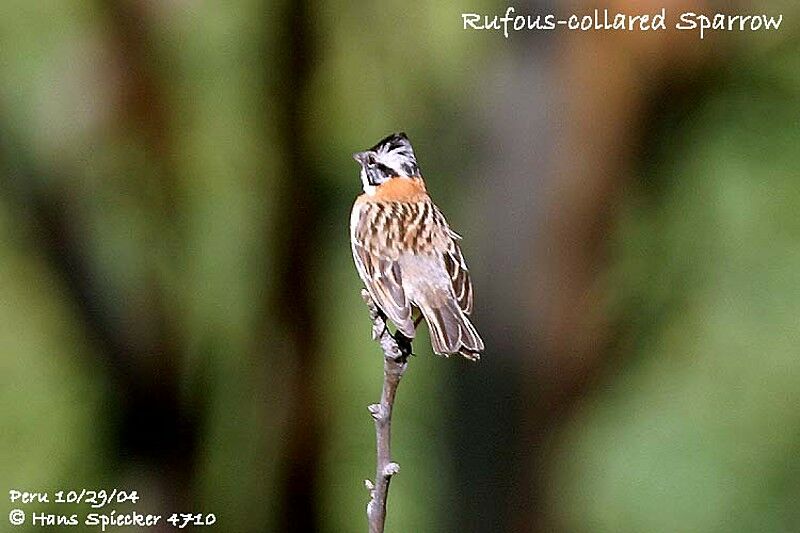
x=451, y=330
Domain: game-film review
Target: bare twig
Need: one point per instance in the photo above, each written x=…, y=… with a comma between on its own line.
x=396, y=349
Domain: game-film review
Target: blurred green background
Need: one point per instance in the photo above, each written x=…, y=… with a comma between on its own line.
x=180, y=314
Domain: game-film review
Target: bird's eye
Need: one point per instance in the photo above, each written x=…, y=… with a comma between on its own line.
x=371, y=159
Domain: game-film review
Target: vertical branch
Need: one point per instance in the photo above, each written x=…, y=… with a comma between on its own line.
x=289, y=70
x=396, y=350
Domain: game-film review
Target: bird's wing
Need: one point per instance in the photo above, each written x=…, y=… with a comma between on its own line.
x=446, y=243
x=378, y=267
x=459, y=274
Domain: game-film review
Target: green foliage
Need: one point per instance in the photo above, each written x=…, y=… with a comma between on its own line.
x=699, y=432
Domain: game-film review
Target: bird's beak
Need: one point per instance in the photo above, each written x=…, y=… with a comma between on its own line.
x=361, y=157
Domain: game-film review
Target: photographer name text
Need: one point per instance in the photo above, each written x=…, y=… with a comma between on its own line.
x=100, y=500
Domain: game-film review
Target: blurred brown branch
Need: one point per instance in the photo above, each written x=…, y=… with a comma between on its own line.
x=290, y=68
x=396, y=349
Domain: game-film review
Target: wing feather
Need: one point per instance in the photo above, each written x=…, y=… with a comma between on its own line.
x=459, y=274
x=378, y=270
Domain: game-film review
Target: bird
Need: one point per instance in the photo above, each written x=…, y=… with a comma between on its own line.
x=406, y=254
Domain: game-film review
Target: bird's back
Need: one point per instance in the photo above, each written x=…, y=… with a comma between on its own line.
x=407, y=256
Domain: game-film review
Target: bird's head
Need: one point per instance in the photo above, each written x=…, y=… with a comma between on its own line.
x=392, y=157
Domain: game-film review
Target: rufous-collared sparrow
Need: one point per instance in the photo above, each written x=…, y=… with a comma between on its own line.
x=405, y=252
